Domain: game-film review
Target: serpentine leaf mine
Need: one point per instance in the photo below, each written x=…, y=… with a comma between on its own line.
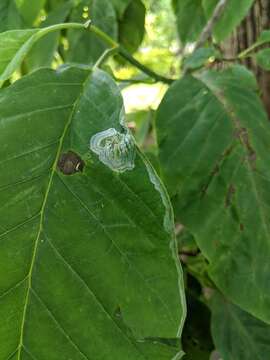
x=116, y=150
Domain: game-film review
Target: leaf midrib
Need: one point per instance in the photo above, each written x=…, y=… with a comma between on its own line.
x=42, y=212
x=255, y=188
x=250, y=172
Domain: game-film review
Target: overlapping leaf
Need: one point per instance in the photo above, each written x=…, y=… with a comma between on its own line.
x=29, y=10
x=120, y=6
x=190, y=19
x=9, y=16
x=43, y=52
x=214, y=135
x=192, y=16
x=263, y=59
x=88, y=262
x=16, y=44
x=86, y=48
x=131, y=26
x=237, y=334
x=235, y=11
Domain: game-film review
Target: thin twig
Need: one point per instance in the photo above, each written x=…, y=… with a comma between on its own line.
x=104, y=57
x=207, y=31
x=125, y=54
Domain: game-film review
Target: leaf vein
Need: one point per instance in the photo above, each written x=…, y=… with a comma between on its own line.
x=19, y=225
x=13, y=287
x=119, y=250
x=80, y=278
x=56, y=321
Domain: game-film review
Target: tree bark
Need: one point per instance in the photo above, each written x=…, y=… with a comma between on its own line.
x=245, y=35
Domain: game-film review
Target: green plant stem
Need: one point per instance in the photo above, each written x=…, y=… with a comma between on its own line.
x=102, y=35
x=149, y=81
x=103, y=58
x=57, y=27
x=113, y=45
x=125, y=54
x=244, y=53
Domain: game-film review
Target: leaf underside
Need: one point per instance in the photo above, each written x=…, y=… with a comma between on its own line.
x=88, y=270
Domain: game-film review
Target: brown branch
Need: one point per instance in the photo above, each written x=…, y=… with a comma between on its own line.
x=207, y=31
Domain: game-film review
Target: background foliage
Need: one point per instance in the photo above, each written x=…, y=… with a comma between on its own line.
x=104, y=247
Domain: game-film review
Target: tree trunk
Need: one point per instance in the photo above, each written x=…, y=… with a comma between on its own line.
x=245, y=35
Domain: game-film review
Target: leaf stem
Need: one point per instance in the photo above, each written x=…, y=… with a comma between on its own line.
x=126, y=55
x=103, y=36
x=106, y=54
x=244, y=53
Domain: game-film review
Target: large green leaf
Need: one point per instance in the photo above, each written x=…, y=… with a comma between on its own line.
x=88, y=257
x=86, y=47
x=237, y=334
x=213, y=135
x=190, y=19
x=235, y=11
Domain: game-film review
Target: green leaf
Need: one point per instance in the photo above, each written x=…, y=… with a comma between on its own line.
x=264, y=37
x=9, y=16
x=190, y=19
x=42, y=53
x=88, y=255
x=235, y=11
x=120, y=6
x=200, y=58
x=263, y=59
x=154, y=349
x=86, y=48
x=29, y=10
x=213, y=135
x=131, y=26
x=16, y=44
x=51, y=5
x=12, y=45
x=237, y=334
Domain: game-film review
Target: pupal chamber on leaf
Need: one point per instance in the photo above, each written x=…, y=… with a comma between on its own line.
x=114, y=149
